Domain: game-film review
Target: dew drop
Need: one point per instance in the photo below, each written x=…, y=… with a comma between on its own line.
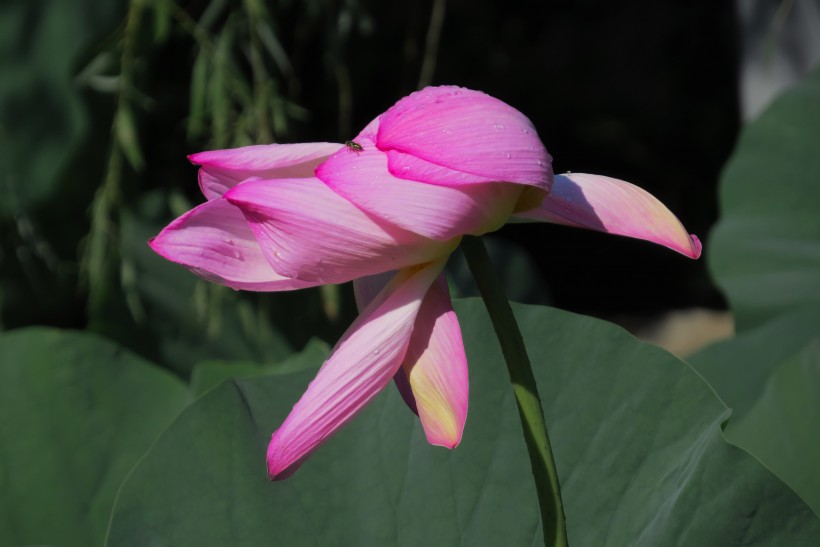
x=499, y=126
x=507, y=155
x=540, y=162
x=405, y=168
x=376, y=352
x=446, y=131
x=525, y=130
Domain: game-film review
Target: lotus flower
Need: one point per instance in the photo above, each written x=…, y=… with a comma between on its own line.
x=385, y=211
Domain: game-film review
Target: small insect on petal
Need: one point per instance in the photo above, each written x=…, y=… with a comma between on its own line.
x=353, y=145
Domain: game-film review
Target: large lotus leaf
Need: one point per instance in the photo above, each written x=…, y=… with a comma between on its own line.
x=770, y=377
x=208, y=374
x=76, y=413
x=636, y=432
x=765, y=251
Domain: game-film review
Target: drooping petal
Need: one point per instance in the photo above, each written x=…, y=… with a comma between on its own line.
x=436, y=368
x=309, y=232
x=433, y=379
x=435, y=211
x=613, y=206
x=215, y=242
x=365, y=290
x=223, y=169
x=467, y=131
x=361, y=365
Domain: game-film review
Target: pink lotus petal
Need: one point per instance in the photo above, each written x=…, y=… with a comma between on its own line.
x=613, y=206
x=467, y=131
x=365, y=290
x=361, y=365
x=309, y=232
x=433, y=379
x=434, y=211
x=408, y=166
x=214, y=241
x=224, y=169
x=436, y=368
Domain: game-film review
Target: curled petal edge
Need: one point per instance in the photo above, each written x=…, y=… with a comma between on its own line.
x=612, y=206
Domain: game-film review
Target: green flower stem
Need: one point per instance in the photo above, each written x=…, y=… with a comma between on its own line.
x=526, y=392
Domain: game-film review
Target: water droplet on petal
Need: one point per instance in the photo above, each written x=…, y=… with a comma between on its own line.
x=525, y=130
x=376, y=352
x=507, y=155
x=499, y=126
x=540, y=162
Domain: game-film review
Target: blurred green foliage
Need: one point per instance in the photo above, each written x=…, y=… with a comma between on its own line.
x=765, y=253
x=121, y=97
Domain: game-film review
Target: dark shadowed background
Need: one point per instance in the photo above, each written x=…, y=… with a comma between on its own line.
x=100, y=104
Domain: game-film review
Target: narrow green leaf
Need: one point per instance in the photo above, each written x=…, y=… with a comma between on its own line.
x=199, y=87
x=126, y=133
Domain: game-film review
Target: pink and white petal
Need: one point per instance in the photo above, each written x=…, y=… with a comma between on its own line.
x=613, y=206
x=361, y=365
x=436, y=368
x=407, y=166
x=309, y=232
x=467, y=131
x=223, y=169
x=434, y=211
x=215, y=242
x=365, y=290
